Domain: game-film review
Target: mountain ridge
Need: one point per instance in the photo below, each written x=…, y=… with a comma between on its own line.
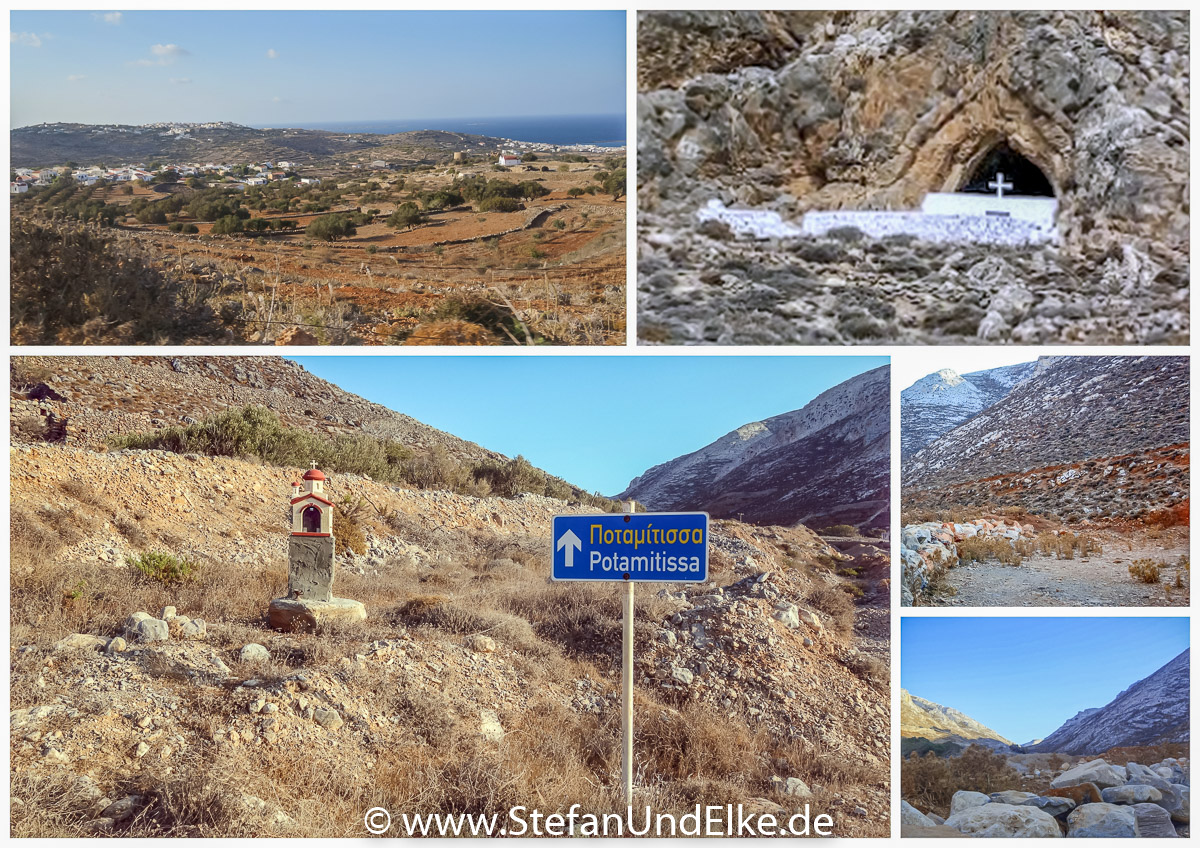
x=943, y=400
x=760, y=470
x=1150, y=711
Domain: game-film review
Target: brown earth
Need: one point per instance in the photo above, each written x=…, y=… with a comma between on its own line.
x=560, y=285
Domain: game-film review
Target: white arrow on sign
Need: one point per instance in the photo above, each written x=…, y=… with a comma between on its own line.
x=572, y=543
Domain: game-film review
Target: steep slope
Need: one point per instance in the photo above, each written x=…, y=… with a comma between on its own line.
x=824, y=464
x=1153, y=711
x=926, y=720
x=99, y=396
x=1092, y=434
x=941, y=401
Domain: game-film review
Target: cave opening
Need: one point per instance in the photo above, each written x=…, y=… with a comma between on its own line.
x=1026, y=178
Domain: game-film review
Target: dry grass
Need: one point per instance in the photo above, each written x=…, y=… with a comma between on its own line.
x=426, y=755
x=1146, y=570
x=982, y=549
x=929, y=782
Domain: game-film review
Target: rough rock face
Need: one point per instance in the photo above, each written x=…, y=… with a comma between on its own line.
x=1152, y=711
x=925, y=719
x=941, y=401
x=824, y=464
x=1072, y=436
x=996, y=820
x=796, y=111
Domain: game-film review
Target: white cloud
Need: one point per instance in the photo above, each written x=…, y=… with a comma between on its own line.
x=272, y=53
x=168, y=52
x=180, y=81
x=165, y=54
x=76, y=77
x=113, y=18
x=29, y=39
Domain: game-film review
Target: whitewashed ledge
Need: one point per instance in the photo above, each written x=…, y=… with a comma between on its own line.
x=978, y=229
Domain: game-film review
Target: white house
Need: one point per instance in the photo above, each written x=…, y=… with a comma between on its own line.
x=509, y=159
x=18, y=188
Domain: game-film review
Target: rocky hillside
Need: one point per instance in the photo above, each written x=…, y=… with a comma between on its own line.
x=474, y=684
x=1073, y=436
x=101, y=397
x=789, y=111
x=941, y=401
x=1153, y=711
x=44, y=145
x=921, y=719
x=824, y=464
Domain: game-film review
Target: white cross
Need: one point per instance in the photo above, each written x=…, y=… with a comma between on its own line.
x=1000, y=185
x=314, y=465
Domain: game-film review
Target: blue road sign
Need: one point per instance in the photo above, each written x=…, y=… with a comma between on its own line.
x=668, y=547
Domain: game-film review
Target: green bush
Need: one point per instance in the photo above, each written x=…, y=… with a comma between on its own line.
x=499, y=204
x=255, y=432
x=162, y=567
x=228, y=225
x=331, y=228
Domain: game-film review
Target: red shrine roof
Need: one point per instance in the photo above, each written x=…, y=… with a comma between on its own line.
x=314, y=474
x=314, y=497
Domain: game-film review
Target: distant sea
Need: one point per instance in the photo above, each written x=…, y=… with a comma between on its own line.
x=602, y=130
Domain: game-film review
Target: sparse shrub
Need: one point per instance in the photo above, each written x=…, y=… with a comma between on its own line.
x=161, y=567
x=348, y=532
x=31, y=427
x=840, y=530
x=73, y=286
x=928, y=782
x=981, y=549
x=1145, y=570
x=836, y=604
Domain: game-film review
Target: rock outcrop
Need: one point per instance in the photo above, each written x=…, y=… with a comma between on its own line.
x=921, y=719
x=941, y=401
x=1131, y=807
x=867, y=110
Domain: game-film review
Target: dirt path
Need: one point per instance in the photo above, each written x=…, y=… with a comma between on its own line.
x=1098, y=580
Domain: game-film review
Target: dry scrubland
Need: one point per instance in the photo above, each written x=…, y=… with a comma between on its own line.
x=474, y=685
x=546, y=267
x=1052, y=562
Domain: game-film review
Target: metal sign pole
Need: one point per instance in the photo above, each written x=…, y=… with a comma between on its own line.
x=627, y=687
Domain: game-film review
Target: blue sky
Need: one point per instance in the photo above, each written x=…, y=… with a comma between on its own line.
x=1024, y=677
x=596, y=421
x=280, y=67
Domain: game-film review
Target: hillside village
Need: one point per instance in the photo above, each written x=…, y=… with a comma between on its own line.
x=474, y=684
x=423, y=238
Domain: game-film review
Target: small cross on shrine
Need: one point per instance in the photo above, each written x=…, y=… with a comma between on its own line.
x=1000, y=185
